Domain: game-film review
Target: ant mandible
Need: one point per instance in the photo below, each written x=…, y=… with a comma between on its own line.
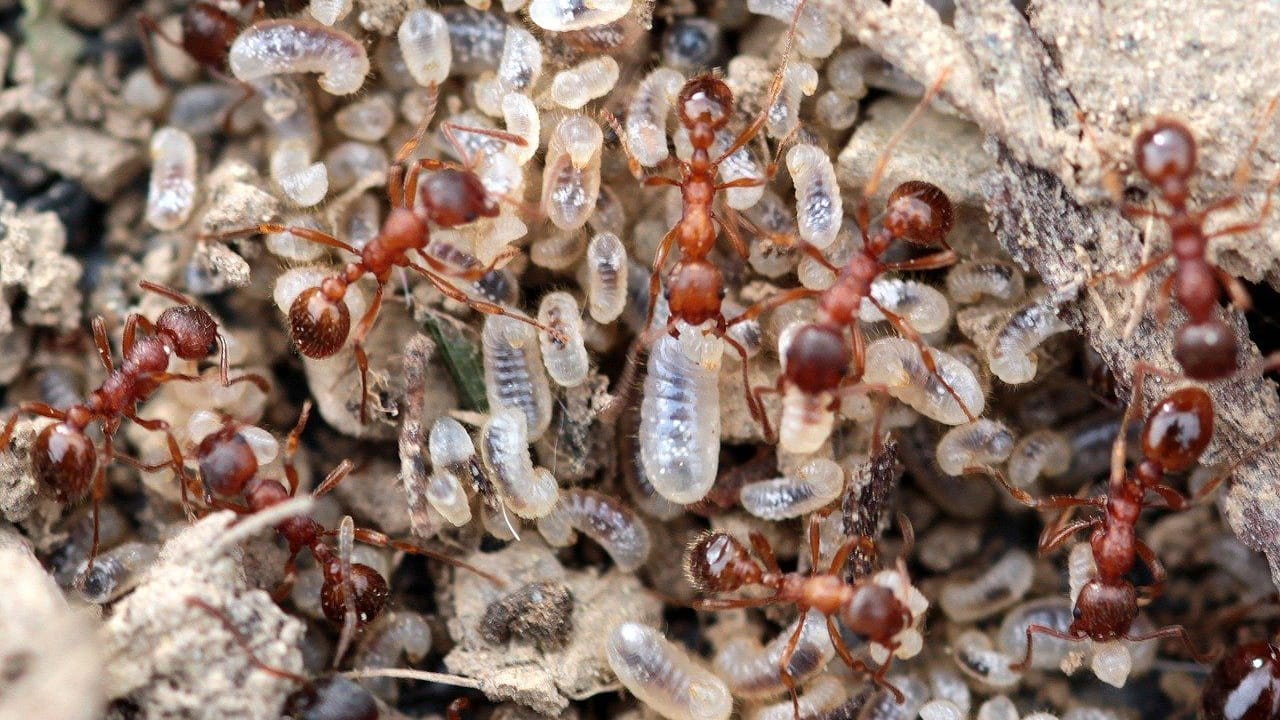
x=64, y=458
x=453, y=195
x=718, y=563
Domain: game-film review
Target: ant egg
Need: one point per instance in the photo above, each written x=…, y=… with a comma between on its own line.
x=680, y=422
x=352, y=162
x=529, y=492
x=798, y=80
x=171, y=195
x=514, y=375
x=646, y=123
x=603, y=519
x=1011, y=351
x=559, y=16
x=980, y=443
x=606, y=277
x=424, y=43
x=817, y=32
x=923, y=307
x=819, y=208
x=823, y=694
x=571, y=178
x=752, y=671
x=814, y=486
x=896, y=363
x=303, y=182
x=566, y=360
x=970, y=280
x=368, y=120
x=329, y=11
x=584, y=82
x=999, y=587
x=522, y=119
x=663, y=676
x=393, y=636
x=1041, y=452
x=115, y=572
x=275, y=47
x=977, y=658
x=836, y=111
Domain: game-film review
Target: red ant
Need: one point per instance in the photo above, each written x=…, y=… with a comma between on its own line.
x=1165, y=155
x=64, y=458
x=718, y=563
x=319, y=320
x=1245, y=683
x=1175, y=434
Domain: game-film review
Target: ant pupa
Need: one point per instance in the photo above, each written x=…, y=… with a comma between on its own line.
x=274, y=47
x=663, y=676
x=604, y=519
x=811, y=487
x=1002, y=585
x=171, y=195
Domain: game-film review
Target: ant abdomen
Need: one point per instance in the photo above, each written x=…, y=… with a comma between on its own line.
x=1165, y=154
x=369, y=593
x=319, y=324
x=1206, y=350
x=919, y=212
x=63, y=459
x=717, y=562
x=1244, y=684
x=1178, y=429
x=190, y=330
x=207, y=34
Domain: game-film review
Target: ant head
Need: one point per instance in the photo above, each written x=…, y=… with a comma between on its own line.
x=1165, y=154
x=704, y=100
x=1248, y=673
x=63, y=459
x=226, y=461
x=817, y=358
x=319, y=320
x=1206, y=350
x=717, y=562
x=207, y=34
x=190, y=330
x=920, y=213
x=1104, y=611
x=368, y=588
x=1178, y=429
x=694, y=291
x=874, y=612
x=332, y=698
x=454, y=198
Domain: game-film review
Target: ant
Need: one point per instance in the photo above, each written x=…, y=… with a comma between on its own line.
x=453, y=195
x=1245, y=683
x=718, y=563
x=1174, y=435
x=1165, y=155
x=64, y=458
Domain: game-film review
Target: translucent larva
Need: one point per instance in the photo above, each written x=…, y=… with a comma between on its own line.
x=514, y=375
x=882, y=705
x=646, y=123
x=567, y=15
x=330, y=11
x=527, y=491
x=977, y=658
x=923, y=307
x=822, y=694
x=981, y=443
x=393, y=636
x=303, y=182
x=368, y=120
x=811, y=487
x=646, y=498
x=1011, y=351
x=941, y=710
x=571, y=178
x=274, y=47
x=521, y=63
x=171, y=195
x=799, y=80
x=454, y=464
x=425, y=46
x=836, y=110
x=1040, y=452
x=576, y=86
x=999, y=587
x=970, y=280
x=475, y=38
x=115, y=572
x=522, y=119
x=445, y=494
x=1049, y=652
x=752, y=671
x=819, y=207
x=603, y=519
x=566, y=357
x=350, y=163
x=606, y=277
x=664, y=677
x=896, y=364
x=680, y=421
x=817, y=31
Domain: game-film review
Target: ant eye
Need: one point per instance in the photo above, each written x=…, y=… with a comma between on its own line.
x=723, y=292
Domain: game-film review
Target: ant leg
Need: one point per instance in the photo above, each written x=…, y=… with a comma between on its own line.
x=131, y=325
x=1158, y=573
x=224, y=370
x=815, y=540
x=454, y=292
x=357, y=345
x=39, y=408
x=655, y=276
x=1175, y=632
x=626, y=382
x=926, y=355
x=758, y=393
x=774, y=302
x=784, y=662
x=762, y=547
x=1239, y=295
x=165, y=291
x=1240, y=178
x=1254, y=224
x=729, y=223
x=451, y=130
x=757, y=410
x=147, y=28
x=377, y=539
x=633, y=162
x=1022, y=664
x=733, y=603
x=335, y=476
x=99, y=492
x=7, y=433
x=1051, y=539
x=242, y=641
x=281, y=593
x=103, y=345
x=932, y=261
x=315, y=236
x=175, y=454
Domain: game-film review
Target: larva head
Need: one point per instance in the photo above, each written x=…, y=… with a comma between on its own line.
x=705, y=102
x=695, y=291
x=817, y=358
x=369, y=593
x=920, y=213
x=453, y=197
x=874, y=612
x=1178, y=429
x=1165, y=154
x=226, y=461
x=189, y=330
x=63, y=459
x=1206, y=350
x=319, y=320
x=717, y=562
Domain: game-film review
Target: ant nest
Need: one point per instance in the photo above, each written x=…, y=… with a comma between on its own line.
x=779, y=359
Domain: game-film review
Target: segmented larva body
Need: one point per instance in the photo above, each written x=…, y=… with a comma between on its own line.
x=752, y=671
x=329, y=11
x=1004, y=584
x=664, y=677
x=680, y=421
x=566, y=360
x=453, y=461
x=424, y=43
x=821, y=695
x=941, y=710
x=392, y=636
x=514, y=376
x=522, y=119
x=1011, y=352
x=301, y=180
x=646, y=123
x=896, y=364
x=819, y=207
x=592, y=78
x=606, y=277
x=527, y=491
x=817, y=32
x=799, y=80
x=171, y=195
x=970, y=280
x=977, y=658
x=602, y=518
x=1051, y=612
x=115, y=572
x=923, y=307
x=982, y=442
x=812, y=487
x=568, y=15
x=276, y=47
x=1040, y=452
x=571, y=177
